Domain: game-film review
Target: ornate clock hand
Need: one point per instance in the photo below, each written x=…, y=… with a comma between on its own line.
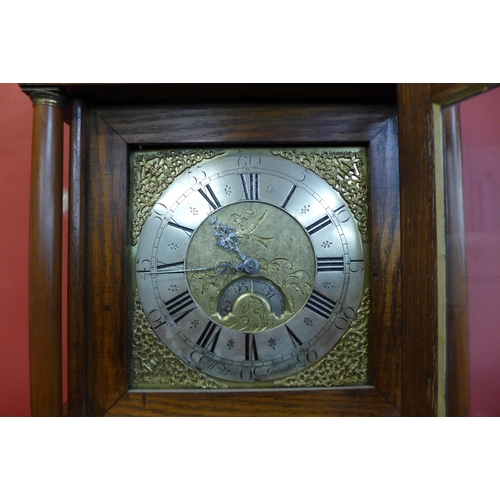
x=226, y=238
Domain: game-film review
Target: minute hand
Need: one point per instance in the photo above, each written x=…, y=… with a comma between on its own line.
x=219, y=267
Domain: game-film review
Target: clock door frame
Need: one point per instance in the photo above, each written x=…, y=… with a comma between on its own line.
x=99, y=317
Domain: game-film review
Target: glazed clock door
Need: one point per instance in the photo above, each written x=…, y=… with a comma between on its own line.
x=236, y=260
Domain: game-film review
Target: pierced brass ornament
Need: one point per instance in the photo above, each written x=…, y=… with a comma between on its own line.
x=344, y=171
x=155, y=364
x=346, y=363
x=154, y=172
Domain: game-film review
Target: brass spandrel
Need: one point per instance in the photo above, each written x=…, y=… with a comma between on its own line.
x=154, y=364
x=344, y=171
x=346, y=363
x=153, y=173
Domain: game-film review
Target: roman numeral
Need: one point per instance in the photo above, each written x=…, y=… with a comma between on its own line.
x=295, y=340
x=178, y=307
x=319, y=224
x=209, y=337
x=187, y=230
x=288, y=196
x=250, y=348
x=250, y=187
x=326, y=264
x=209, y=195
x=321, y=305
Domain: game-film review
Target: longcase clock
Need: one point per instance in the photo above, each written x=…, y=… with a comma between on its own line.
x=246, y=250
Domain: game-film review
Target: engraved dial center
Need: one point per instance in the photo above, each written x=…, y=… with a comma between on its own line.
x=273, y=283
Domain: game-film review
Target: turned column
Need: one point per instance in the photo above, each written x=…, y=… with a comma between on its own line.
x=45, y=261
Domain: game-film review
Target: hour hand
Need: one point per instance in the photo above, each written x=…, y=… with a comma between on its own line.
x=226, y=238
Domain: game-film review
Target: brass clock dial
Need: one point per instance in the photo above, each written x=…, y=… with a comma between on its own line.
x=250, y=267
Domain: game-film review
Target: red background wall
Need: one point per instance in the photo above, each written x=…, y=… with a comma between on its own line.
x=16, y=116
x=15, y=156
x=481, y=153
x=480, y=120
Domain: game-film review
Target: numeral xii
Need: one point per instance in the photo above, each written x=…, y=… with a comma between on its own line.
x=250, y=186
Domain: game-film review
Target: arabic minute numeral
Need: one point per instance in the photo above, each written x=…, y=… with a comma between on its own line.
x=146, y=269
x=342, y=214
x=249, y=161
x=345, y=318
x=155, y=318
x=356, y=265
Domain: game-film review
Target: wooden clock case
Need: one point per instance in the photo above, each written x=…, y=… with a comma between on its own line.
x=398, y=125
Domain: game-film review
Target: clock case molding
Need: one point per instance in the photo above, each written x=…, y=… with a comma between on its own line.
x=397, y=125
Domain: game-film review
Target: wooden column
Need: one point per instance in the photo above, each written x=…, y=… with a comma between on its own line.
x=45, y=330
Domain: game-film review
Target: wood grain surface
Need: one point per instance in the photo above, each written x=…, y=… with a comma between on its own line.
x=418, y=250
x=77, y=352
x=445, y=94
x=106, y=271
x=251, y=124
x=386, y=255
x=366, y=402
x=45, y=262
